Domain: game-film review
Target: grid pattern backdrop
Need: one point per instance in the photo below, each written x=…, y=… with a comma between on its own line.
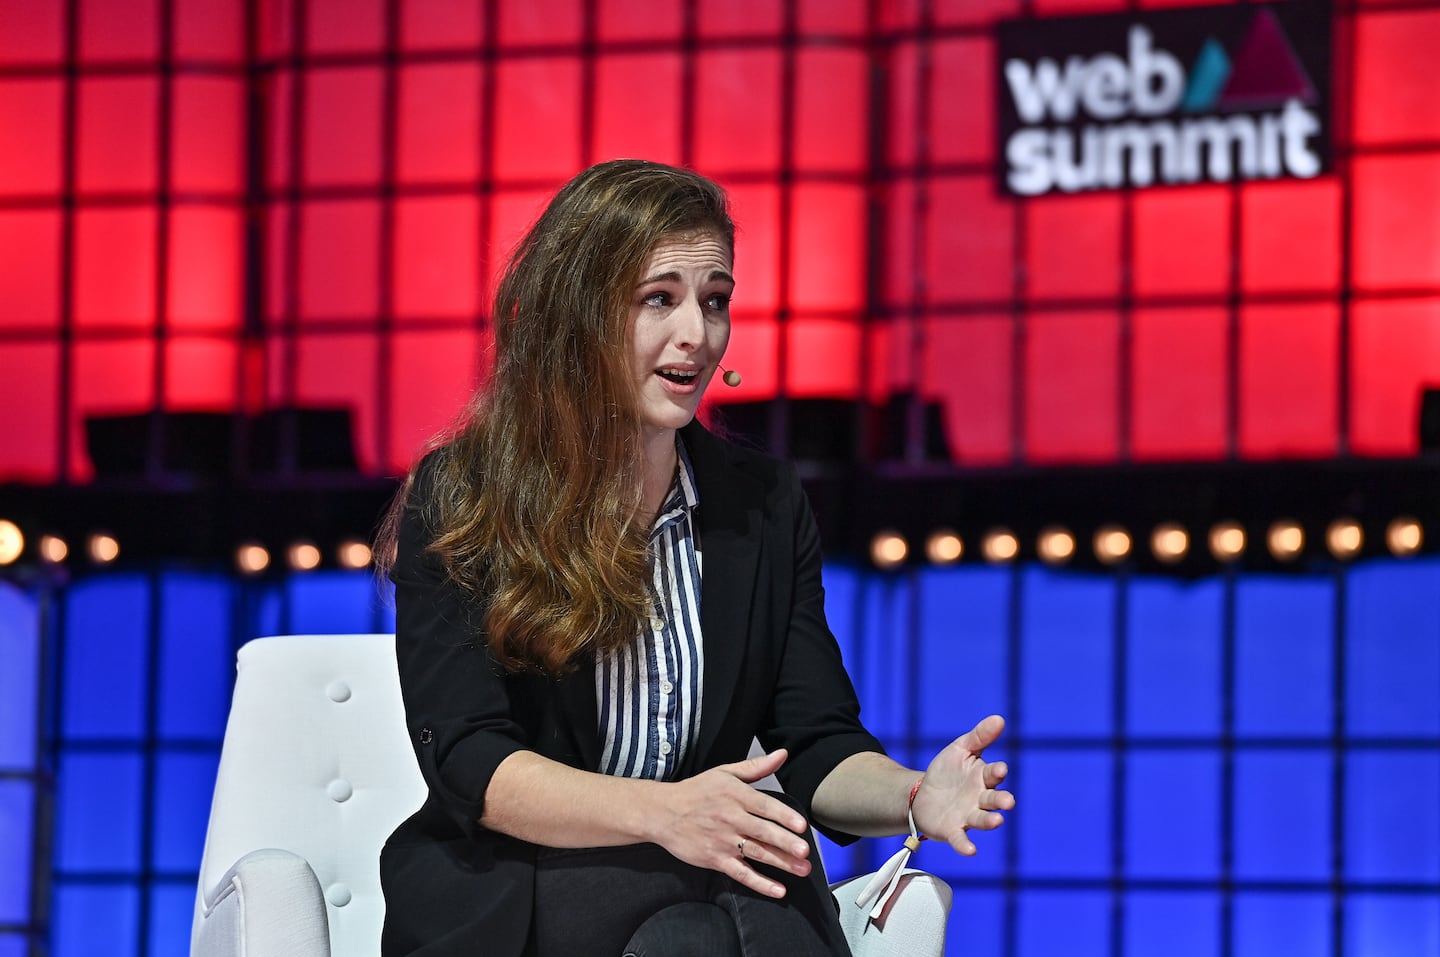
x=239, y=205
x=1240, y=765
x=246, y=204
x=103, y=825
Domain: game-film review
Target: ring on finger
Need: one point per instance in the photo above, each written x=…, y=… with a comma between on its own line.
x=741, y=845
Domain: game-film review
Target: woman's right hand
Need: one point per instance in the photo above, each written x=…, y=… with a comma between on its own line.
x=718, y=821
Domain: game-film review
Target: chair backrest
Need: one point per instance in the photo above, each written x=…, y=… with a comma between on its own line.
x=316, y=761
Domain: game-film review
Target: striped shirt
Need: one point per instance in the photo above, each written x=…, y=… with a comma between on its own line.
x=648, y=691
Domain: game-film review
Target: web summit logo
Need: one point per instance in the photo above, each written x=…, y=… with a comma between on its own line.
x=1106, y=102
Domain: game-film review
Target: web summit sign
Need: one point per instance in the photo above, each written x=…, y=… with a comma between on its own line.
x=1202, y=94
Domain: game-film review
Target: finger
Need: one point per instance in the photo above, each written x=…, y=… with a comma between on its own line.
x=740, y=871
x=984, y=820
x=781, y=841
x=767, y=808
x=995, y=773
x=996, y=801
x=753, y=769
x=762, y=853
x=984, y=734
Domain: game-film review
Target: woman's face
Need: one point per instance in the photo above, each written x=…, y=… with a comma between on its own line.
x=679, y=327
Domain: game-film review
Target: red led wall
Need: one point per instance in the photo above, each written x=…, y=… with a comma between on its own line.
x=122, y=186
x=1266, y=320
x=250, y=203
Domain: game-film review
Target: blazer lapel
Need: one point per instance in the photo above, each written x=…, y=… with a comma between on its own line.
x=729, y=525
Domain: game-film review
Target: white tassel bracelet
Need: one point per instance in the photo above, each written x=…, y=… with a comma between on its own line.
x=883, y=883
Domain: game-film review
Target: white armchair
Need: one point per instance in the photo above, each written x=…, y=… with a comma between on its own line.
x=315, y=773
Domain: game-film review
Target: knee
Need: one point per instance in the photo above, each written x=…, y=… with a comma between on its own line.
x=693, y=929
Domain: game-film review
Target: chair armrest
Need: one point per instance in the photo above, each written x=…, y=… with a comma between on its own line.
x=912, y=924
x=267, y=905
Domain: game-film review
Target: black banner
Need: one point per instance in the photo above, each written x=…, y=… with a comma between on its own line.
x=1197, y=95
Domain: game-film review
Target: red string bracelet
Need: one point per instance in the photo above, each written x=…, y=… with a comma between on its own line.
x=913, y=841
x=884, y=882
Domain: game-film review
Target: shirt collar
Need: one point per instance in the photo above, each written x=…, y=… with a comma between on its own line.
x=683, y=495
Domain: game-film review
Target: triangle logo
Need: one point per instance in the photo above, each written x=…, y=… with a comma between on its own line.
x=1207, y=78
x=1266, y=70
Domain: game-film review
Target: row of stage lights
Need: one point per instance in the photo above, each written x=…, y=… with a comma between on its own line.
x=250, y=559
x=100, y=548
x=253, y=558
x=1169, y=543
x=1112, y=544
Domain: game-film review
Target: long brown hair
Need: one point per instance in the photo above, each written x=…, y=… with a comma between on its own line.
x=535, y=502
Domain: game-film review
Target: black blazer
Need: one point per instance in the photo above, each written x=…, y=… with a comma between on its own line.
x=772, y=671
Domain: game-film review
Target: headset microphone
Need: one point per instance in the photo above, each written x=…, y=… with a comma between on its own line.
x=731, y=377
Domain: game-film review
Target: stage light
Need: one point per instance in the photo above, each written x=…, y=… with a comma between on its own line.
x=53, y=549
x=252, y=559
x=1344, y=538
x=1000, y=545
x=103, y=549
x=1112, y=544
x=888, y=549
x=303, y=556
x=1227, y=541
x=12, y=542
x=1286, y=540
x=1404, y=536
x=944, y=547
x=354, y=554
x=1169, y=542
x=1055, y=545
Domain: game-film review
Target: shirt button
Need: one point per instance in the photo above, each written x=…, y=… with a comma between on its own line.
x=657, y=624
x=666, y=687
x=664, y=747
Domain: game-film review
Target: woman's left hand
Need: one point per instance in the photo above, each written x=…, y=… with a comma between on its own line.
x=960, y=789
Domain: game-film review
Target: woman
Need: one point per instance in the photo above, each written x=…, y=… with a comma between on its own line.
x=599, y=605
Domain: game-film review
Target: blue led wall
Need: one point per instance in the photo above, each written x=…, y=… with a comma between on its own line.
x=1234, y=766
x=20, y=781
x=1243, y=765
x=147, y=664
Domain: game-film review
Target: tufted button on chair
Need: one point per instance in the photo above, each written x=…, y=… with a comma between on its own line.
x=315, y=773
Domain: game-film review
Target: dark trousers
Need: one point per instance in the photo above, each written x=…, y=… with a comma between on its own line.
x=637, y=899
